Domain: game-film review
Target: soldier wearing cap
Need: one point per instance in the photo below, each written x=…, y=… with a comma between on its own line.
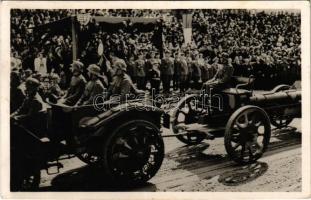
x=122, y=83
x=32, y=103
x=167, y=71
x=223, y=75
x=140, y=72
x=183, y=72
x=77, y=84
x=93, y=87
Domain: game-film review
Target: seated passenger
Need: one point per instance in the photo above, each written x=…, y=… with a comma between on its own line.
x=93, y=87
x=77, y=85
x=122, y=83
x=32, y=103
x=222, y=77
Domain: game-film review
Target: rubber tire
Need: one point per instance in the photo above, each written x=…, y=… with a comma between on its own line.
x=181, y=138
x=228, y=133
x=110, y=138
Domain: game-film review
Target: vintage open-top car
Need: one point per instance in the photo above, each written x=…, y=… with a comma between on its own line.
x=126, y=141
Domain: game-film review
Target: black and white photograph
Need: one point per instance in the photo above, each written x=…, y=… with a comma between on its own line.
x=176, y=99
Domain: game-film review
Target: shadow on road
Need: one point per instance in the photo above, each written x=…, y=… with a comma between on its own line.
x=243, y=174
x=87, y=178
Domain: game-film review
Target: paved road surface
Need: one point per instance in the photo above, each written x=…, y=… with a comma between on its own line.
x=202, y=167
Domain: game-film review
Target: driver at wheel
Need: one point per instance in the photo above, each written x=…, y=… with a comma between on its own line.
x=222, y=77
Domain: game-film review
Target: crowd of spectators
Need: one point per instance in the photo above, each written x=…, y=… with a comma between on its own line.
x=265, y=44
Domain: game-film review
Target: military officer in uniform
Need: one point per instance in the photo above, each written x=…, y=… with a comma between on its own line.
x=167, y=71
x=122, y=84
x=222, y=77
x=77, y=85
x=93, y=87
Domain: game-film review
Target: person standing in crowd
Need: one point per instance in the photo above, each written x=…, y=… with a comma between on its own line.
x=132, y=69
x=93, y=87
x=189, y=64
x=77, y=84
x=196, y=71
x=184, y=72
x=167, y=71
x=141, y=73
x=40, y=64
x=176, y=77
x=16, y=62
x=155, y=78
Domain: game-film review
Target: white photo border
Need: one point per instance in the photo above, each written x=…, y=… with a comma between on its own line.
x=303, y=6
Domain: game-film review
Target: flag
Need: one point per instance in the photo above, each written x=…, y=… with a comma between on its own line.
x=187, y=27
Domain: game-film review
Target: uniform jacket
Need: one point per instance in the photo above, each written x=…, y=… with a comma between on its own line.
x=76, y=89
x=167, y=66
x=224, y=74
x=121, y=85
x=140, y=68
x=183, y=70
x=92, y=88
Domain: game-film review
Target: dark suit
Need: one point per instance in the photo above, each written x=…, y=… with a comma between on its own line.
x=167, y=71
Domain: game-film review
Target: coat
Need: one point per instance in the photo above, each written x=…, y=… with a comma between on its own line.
x=167, y=66
x=92, y=89
x=140, y=68
x=76, y=89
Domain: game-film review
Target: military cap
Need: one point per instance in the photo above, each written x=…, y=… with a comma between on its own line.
x=77, y=65
x=37, y=76
x=120, y=64
x=94, y=69
x=28, y=71
x=54, y=77
x=32, y=83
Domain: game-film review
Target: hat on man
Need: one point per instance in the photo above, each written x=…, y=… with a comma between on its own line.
x=77, y=65
x=54, y=77
x=120, y=64
x=94, y=69
x=37, y=76
x=32, y=83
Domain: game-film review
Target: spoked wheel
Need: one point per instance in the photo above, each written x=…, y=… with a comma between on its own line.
x=133, y=153
x=188, y=112
x=247, y=134
x=280, y=122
